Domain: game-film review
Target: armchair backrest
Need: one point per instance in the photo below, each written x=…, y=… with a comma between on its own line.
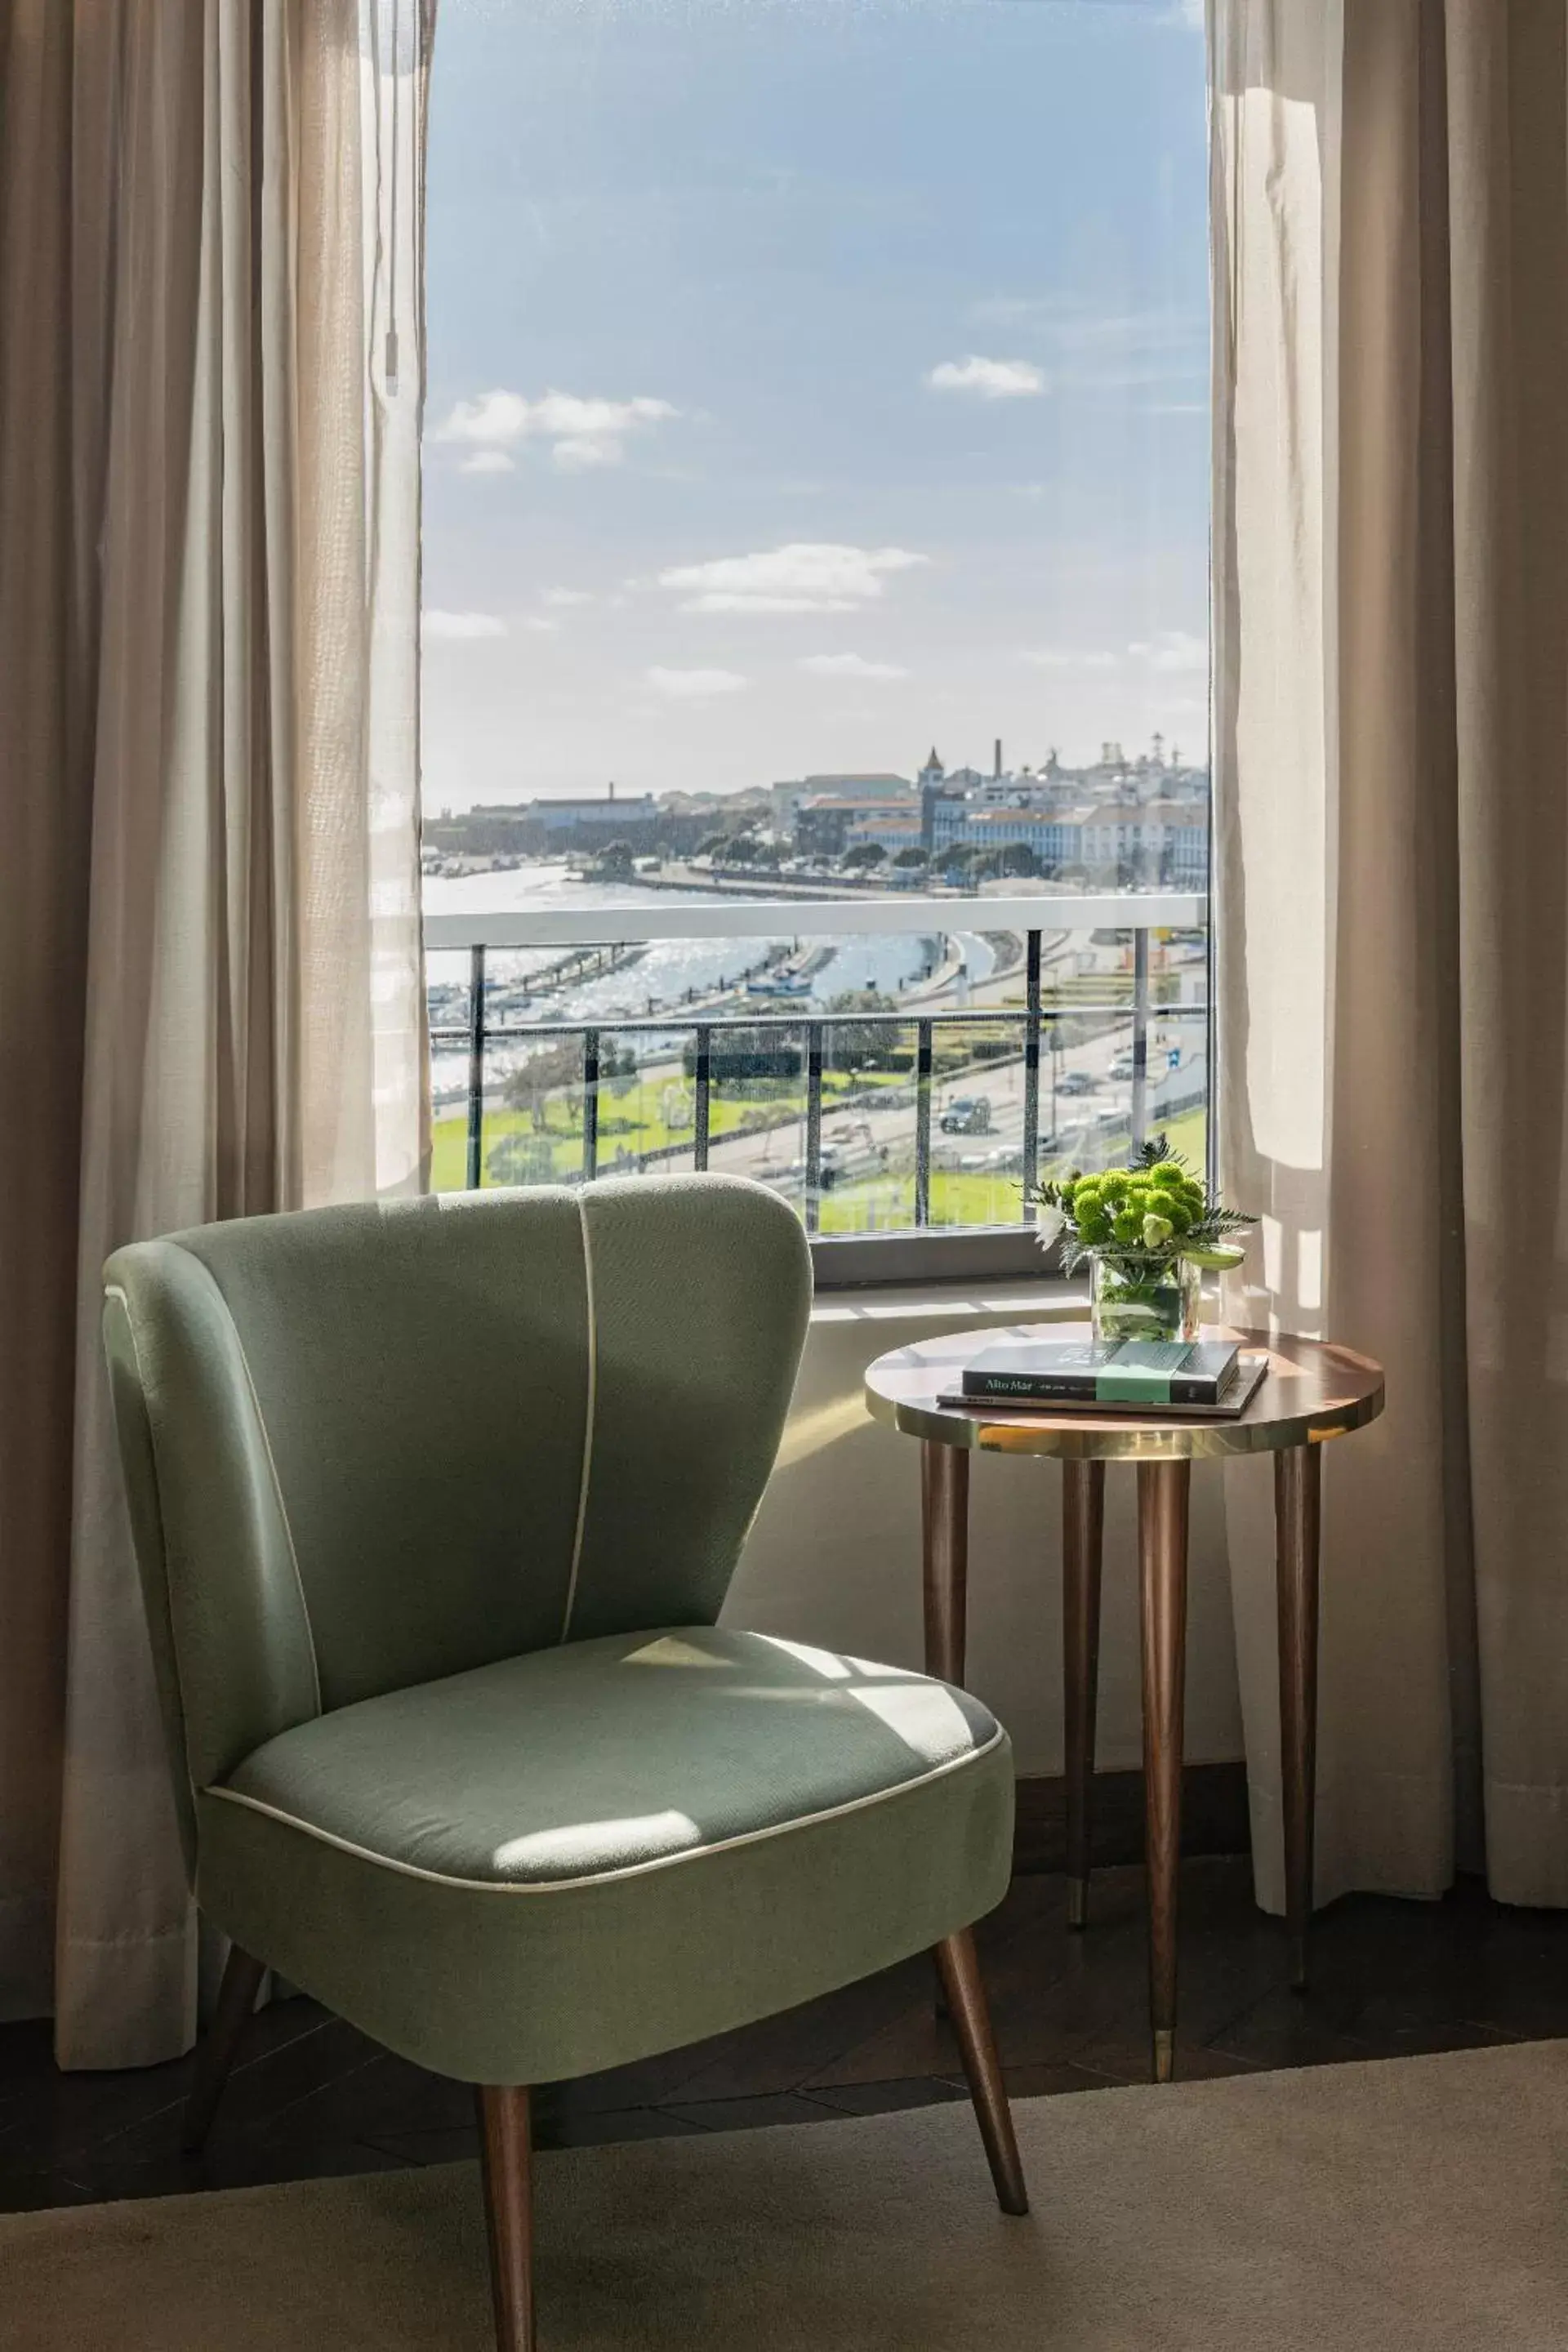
x=368, y=1446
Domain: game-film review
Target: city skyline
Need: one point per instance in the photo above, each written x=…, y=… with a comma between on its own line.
x=796, y=370
x=1157, y=751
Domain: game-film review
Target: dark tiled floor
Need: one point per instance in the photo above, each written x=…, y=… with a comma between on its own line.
x=313, y=2097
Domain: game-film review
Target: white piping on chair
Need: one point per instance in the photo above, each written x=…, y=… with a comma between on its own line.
x=626, y=1869
x=589, y=1407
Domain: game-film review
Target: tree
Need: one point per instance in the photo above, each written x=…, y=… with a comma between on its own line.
x=860, y=1045
x=1019, y=858
x=865, y=854
x=556, y=1069
x=520, y=1160
x=713, y=844
x=616, y=862
x=552, y=1069
x=745, y=849
x=757, y=1064
x=910, y=859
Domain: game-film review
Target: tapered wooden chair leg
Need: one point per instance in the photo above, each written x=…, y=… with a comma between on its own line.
x=965, y=1989
x=506, y=2138
x=235, y=2006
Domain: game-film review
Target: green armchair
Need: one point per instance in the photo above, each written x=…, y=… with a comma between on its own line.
x=435, y=1507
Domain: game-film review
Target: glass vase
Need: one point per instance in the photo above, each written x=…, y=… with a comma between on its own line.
x=1144, y=1298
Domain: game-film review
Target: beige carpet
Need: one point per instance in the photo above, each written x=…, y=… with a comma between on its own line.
x=1418, y=2203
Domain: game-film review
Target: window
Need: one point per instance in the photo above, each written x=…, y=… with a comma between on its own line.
x=816, y=481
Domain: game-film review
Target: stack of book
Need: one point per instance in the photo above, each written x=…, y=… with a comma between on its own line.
x=1205, y=1377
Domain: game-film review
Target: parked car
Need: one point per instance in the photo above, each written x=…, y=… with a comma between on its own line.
x=1007, y=1160
x=848, y=1152
x=967, y=1115
x=851, y=1151
x=1122, y=1067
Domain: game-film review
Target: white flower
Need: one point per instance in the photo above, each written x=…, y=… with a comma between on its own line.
x=1050, y=1223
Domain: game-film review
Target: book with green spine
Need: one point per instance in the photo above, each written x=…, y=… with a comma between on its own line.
x=1151, y=1372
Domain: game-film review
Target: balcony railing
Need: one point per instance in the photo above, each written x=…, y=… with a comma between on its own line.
x=936, y=1044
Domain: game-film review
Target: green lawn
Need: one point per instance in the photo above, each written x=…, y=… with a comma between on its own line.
x=647, y=1115
x=637, y=1121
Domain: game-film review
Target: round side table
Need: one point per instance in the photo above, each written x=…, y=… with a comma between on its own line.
x=1313, y=1391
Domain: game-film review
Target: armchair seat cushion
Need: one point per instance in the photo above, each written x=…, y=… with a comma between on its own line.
x=573, y=1858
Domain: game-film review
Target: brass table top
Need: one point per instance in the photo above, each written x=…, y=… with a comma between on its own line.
x=1312, y=1391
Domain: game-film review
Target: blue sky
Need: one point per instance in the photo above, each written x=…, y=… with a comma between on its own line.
x=810, y=380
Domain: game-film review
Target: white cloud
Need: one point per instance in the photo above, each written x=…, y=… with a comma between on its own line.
x=579, y=451
x=695, y=685
x=487, y=461
x=808, y=576
x=538, y=625
x=1068, y=658
x=458, y=628
x=1173, y=652
x=1089, y=350
x=563, y=596
x=989, y=379
x=850, y=666
x=582, y=432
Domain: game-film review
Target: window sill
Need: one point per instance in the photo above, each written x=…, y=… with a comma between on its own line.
x=1050, y=1297
x=1006, y=1254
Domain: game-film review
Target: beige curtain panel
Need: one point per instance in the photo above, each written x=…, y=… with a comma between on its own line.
x=1391, y=534
x=211, y=357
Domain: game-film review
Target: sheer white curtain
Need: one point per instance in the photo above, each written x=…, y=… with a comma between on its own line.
x=233, y=304
x=1391, y=222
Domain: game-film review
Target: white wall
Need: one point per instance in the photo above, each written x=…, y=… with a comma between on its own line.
x=835, y=1556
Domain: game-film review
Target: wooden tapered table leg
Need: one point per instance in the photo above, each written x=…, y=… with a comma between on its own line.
x=1083, y=1523
x=945, y=1513
x=1163, y=1493
x=506, y=2145
x=1297, y=1493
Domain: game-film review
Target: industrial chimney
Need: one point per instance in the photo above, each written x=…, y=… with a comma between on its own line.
x=996, y=759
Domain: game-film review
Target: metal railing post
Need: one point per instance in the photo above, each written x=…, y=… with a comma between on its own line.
x=476, y=1067
x=923, y=1059
x=590, y=1105
x=701, y=1113
x=1140, y=1037
x=1031, y=1071
x=812, y=1125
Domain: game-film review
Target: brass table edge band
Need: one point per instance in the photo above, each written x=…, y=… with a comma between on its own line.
x=1174, y=1442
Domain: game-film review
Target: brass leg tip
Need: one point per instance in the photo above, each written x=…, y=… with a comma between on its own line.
x=1164, y=2054
x=1078, y=1902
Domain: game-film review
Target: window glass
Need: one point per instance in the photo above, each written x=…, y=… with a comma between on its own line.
x=817, y=504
